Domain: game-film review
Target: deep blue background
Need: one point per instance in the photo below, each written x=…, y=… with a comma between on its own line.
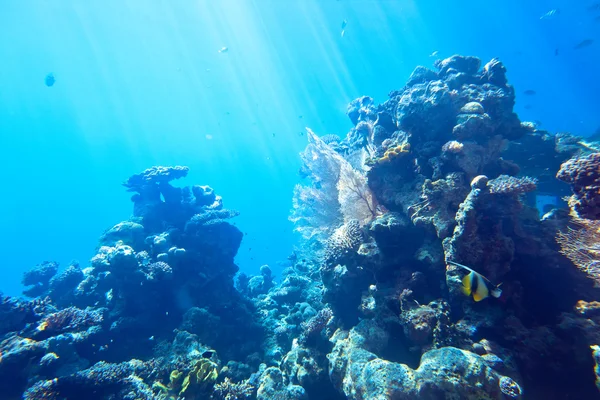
x=142, y=83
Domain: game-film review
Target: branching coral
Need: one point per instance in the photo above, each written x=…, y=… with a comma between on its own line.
x=581, y=244
x=228, y=390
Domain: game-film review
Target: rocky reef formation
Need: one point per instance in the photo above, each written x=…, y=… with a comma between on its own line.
x=452, y=175
x=155, y=305
x=372, y=304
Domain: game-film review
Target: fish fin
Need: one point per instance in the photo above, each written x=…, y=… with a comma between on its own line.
x=460, y=265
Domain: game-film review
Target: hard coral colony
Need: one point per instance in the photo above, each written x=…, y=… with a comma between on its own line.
x=436, y=178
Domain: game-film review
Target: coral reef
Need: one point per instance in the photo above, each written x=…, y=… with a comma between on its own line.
x=579, y=242
x=357, y=371
x=436, y=183
x=170, y=269
x=583, y=174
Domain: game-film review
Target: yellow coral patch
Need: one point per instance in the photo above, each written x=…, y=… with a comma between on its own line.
x=394, y=152
x=42, y=327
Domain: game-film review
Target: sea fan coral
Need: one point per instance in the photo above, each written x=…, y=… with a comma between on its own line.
x=316, y=207
x=357, y=202
x=580, y=243
x=338, y=192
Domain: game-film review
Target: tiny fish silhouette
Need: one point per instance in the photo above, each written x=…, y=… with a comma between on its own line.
x=50, y=79
x=583, y=44
x=550, y=14
x=530, y=92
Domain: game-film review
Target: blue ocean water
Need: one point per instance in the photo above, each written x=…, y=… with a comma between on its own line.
x=143, y=83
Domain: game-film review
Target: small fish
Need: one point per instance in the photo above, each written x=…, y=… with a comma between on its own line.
x=556, y=51
x=344, y=24
x=434, y=54
x=476, y=285
x=550, y=14
x=584, y=43
x=530, y=92
x=224, y=50
x=50, y=79
x=528, y=106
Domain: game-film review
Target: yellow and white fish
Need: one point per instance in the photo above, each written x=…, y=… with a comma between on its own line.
x=477, y=285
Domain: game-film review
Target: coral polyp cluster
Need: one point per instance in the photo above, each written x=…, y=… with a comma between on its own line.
x=394, y=152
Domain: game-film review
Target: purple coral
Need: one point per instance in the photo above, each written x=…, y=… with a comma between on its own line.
x=583, y=174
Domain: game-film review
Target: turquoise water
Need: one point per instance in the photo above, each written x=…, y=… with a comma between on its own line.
x=142, y=83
